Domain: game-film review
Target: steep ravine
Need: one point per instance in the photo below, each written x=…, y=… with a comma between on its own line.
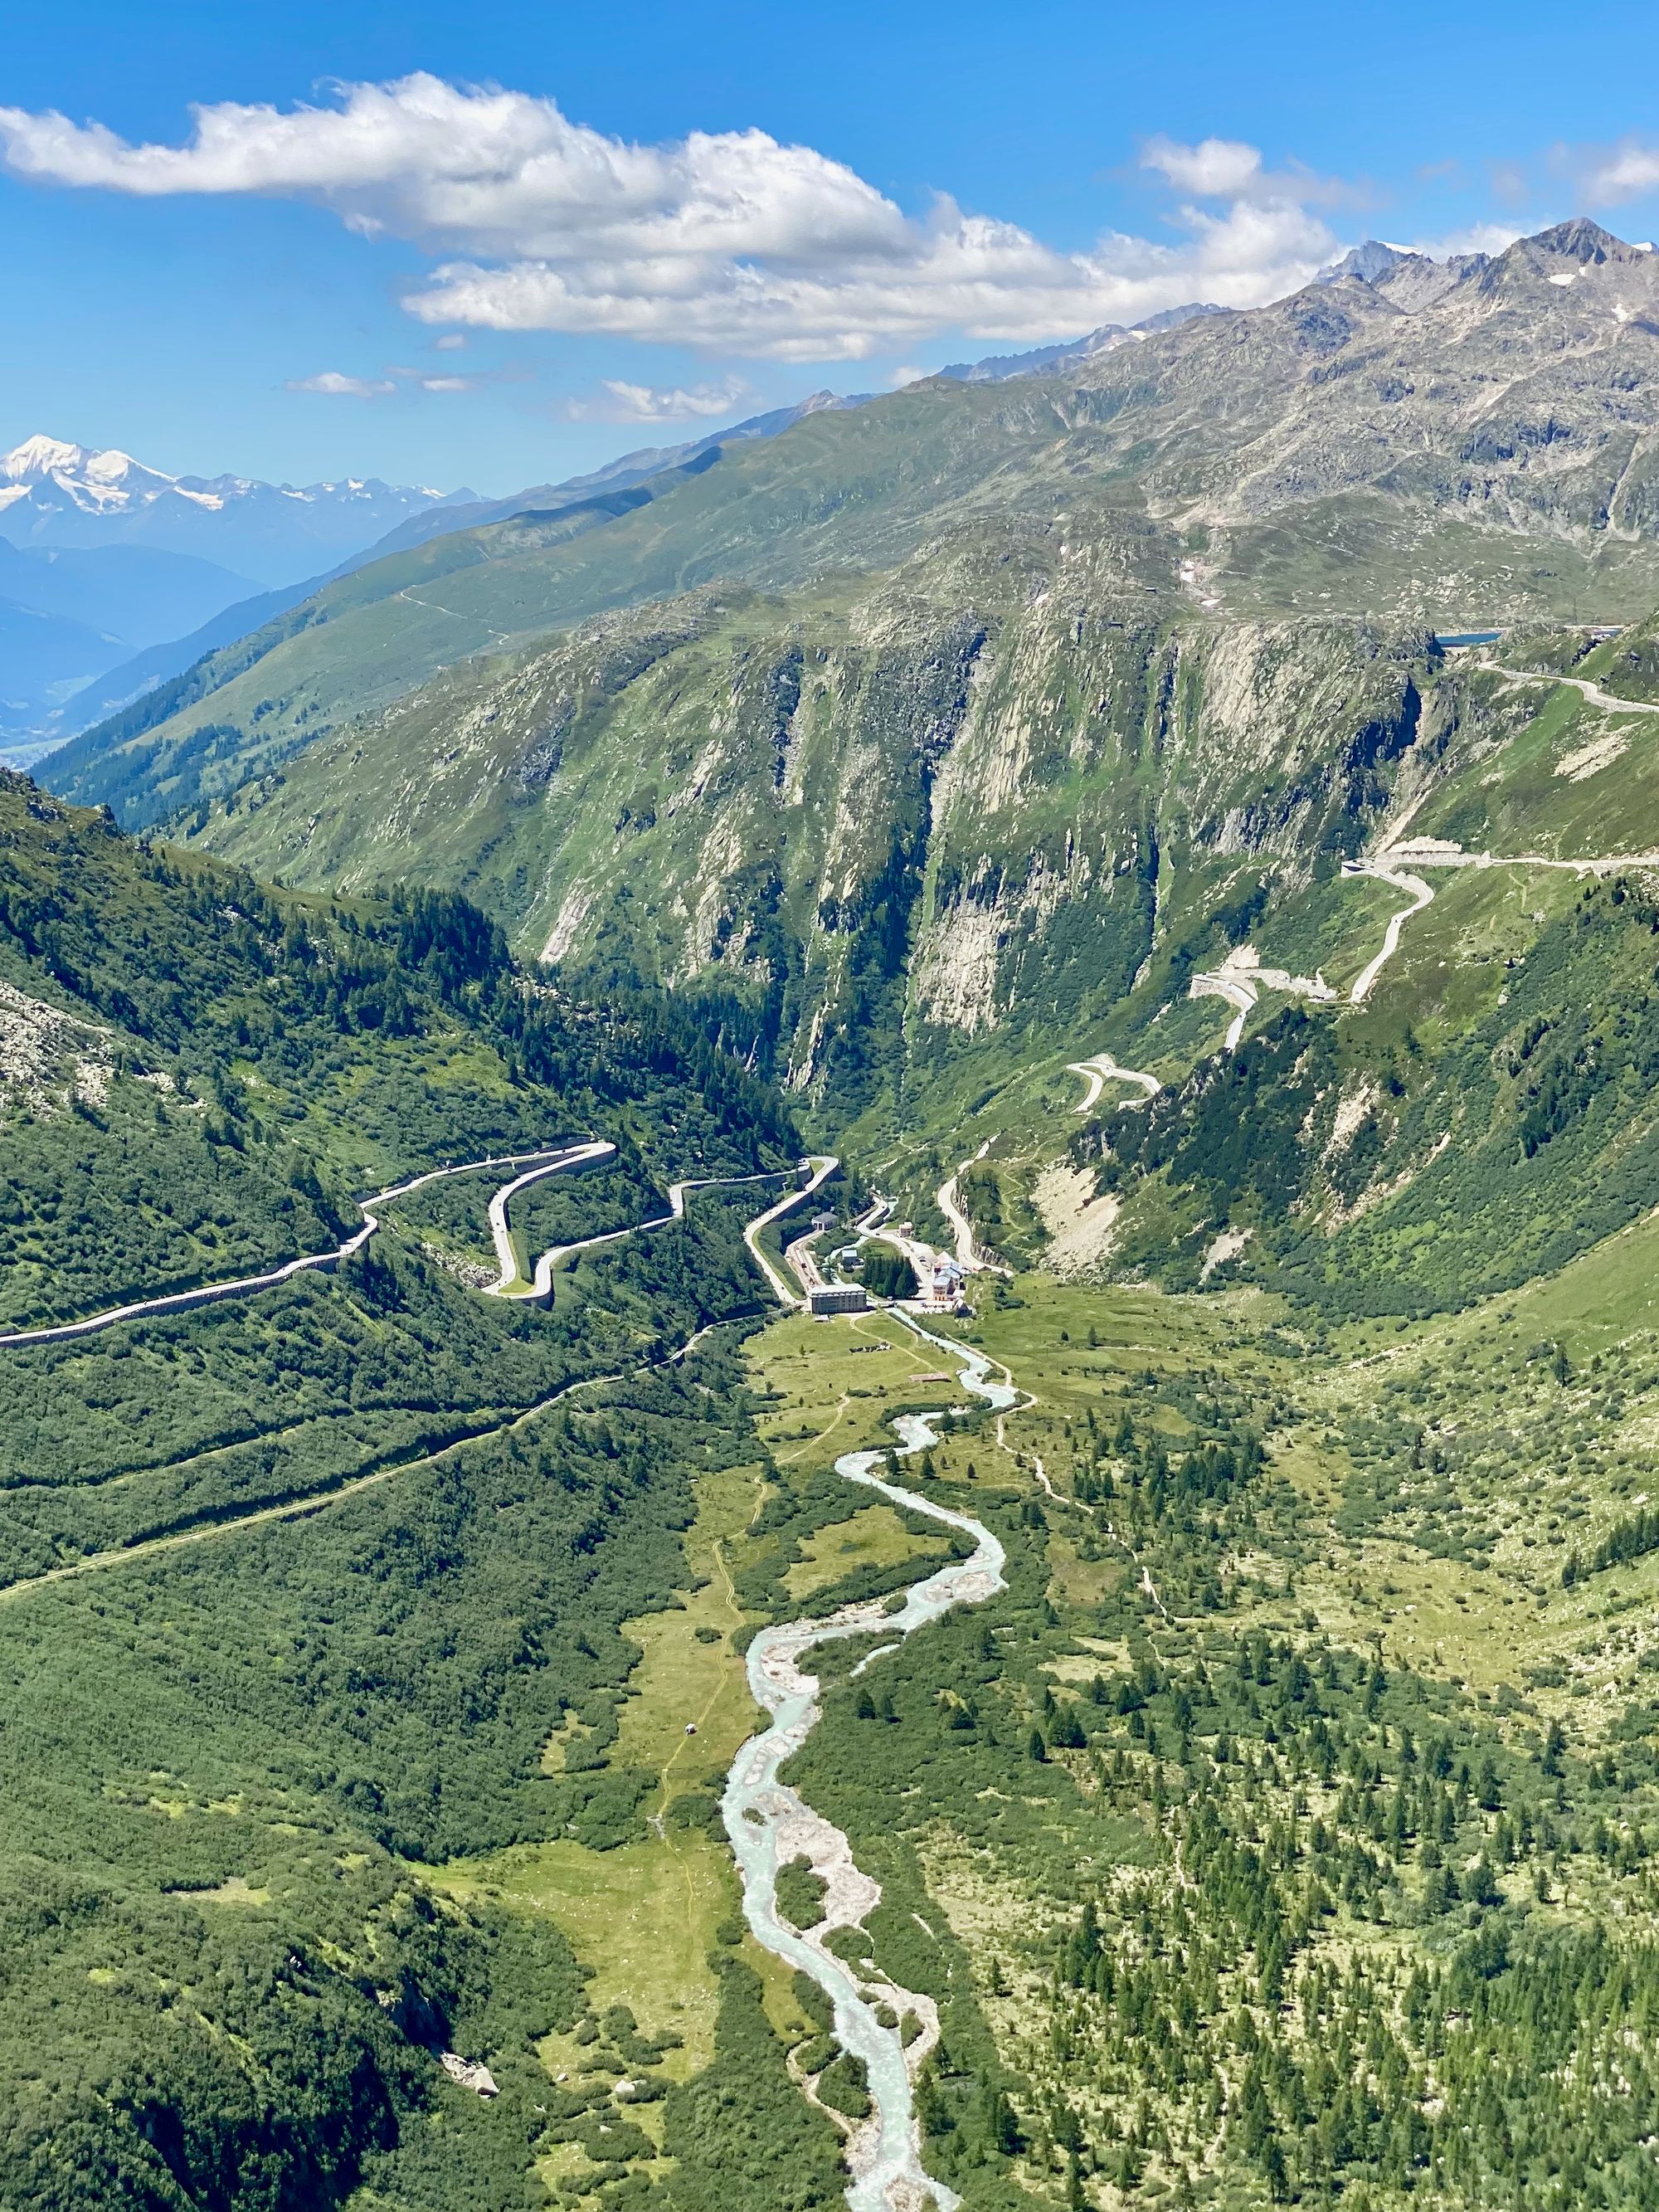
x=877, y=831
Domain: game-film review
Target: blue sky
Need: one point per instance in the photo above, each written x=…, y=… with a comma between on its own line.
x=496, y=243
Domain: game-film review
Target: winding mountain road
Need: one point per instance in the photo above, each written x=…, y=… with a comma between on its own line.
x=316, y=1263
x=571, y=1159
x=824, y=1165
x=1609, y=702
x=766, y=1819
x=1241, y=978
x=506, y=1257
x=294, y=1509
x=1400, y=866
x=539, y=1289
x=1238, y=990
x=1100, y=1068
x=969, y=1255
x=1419, y=895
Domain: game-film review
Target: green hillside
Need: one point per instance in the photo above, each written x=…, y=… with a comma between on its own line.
x=937, y=815
x=917, y=855
x=232, y=1733
x=1054, y=801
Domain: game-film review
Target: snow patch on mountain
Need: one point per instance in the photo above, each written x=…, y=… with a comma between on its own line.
x=56, y=493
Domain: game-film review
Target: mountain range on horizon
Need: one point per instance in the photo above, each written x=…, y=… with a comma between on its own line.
x=103, y=558
x=57, y=494
x=224, y=555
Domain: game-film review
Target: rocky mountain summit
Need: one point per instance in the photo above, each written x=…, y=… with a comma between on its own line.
x=1521, y=393
x=1431, y=447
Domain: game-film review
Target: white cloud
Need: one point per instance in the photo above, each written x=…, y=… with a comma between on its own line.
x=451, y=341
x=727, y=240
x=957, y=273
x=449, y=384
x=1230, y=169
x=1610, y=174
x=332, y=382
x=1475, y=238
x=648, y=402
x=1217, y=169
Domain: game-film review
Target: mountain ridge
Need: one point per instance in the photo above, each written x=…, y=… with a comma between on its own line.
x=1336, y=450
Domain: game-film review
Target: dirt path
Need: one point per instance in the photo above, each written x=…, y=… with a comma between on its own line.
x=664, y=1773
x=431, y=606
x=297, y=1508
x=1144, y=1578
x=788, y=1459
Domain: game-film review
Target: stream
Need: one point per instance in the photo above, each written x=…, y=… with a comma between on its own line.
x=770, y=1824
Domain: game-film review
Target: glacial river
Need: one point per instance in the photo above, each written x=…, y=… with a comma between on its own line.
x=762, y=1812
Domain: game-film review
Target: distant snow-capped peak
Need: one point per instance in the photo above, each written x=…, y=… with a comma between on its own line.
x=97, y=480
x=104, y=482
x=54, y=492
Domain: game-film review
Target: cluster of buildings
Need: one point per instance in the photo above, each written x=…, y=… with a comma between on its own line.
x=939, y=1276
x=940, y=1292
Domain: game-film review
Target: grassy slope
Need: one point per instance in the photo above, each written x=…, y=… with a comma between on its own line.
x=787, y=797
x=229, y=1737
x=1338, y=1545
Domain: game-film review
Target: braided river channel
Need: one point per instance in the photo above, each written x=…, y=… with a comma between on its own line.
x=770, y=1825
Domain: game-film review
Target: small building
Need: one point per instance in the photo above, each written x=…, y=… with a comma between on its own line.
x=826, y=1298
x=822, y=1221
x=941, y=1291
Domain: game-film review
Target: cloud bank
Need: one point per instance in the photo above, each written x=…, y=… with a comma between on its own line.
x=1612, y=174
x=727, y=241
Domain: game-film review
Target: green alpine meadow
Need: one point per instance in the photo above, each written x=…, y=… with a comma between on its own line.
x=829, y=1267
